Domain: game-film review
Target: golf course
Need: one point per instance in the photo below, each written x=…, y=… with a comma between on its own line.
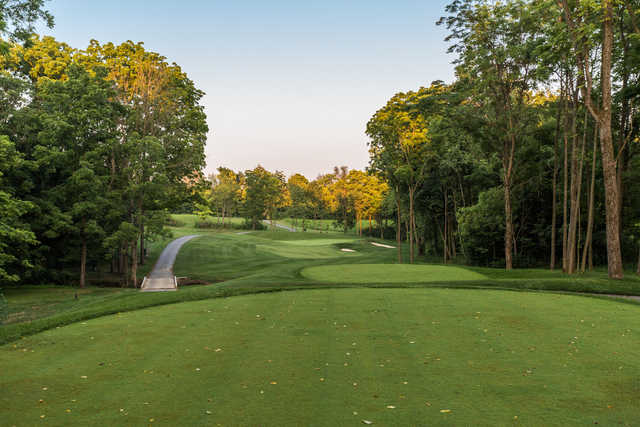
x=292, y=330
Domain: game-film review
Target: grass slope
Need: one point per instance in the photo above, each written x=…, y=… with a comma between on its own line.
x=336, y=357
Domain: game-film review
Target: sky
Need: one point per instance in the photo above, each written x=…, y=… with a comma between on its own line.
x=289, y=85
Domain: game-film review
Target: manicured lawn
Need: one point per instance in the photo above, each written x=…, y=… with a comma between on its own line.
x=265, y=261
x=336, y=357
x=389, y=273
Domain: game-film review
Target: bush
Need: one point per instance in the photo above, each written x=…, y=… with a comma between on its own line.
x=481, y=228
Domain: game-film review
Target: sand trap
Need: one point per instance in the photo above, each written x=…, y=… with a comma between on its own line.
x=347, y=250
x=382, y=246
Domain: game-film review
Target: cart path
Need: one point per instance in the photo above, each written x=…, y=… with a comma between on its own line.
x=161, y=277
x=275, y=224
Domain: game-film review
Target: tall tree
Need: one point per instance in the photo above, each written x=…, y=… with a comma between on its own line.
x=497, y=42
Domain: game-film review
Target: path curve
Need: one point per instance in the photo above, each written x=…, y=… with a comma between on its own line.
x=161, y=277
x=284, y=227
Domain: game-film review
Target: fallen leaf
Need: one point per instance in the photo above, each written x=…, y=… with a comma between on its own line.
x=391, y=407
x=367, y=422
x=84, y=377
x=273, y=382
x=445, y=411
x=427, y=403
x=67, y=410
x=207, y=412
x=42, y=416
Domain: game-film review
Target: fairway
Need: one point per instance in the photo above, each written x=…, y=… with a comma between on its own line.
x=335, y=357
x=389, y=273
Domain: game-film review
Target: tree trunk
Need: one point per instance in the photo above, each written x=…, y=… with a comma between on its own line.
x=638, y=268
x=142, y=246
x=398, y=230
x=554, y=220
x=410, y=230
x=508, y=229
x=134, y=263
x=566, y=184
x=576, y=189
x=444, y=235
x=83, y=262
x=592, y=189
x=614, y=252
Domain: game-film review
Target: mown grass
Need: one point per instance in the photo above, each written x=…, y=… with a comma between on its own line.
x=267, y=261
x=389, y=273
x=335, y=357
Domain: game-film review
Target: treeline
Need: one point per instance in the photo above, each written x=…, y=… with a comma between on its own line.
x=349, y=197
x=530, y=157
x=95, y=146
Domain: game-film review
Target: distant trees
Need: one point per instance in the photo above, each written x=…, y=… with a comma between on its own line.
x=265, y=193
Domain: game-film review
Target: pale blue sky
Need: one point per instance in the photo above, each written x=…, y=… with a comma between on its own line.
x=290, y=84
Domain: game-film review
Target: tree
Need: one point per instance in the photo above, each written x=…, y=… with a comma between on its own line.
x=264, y=194
x=15, y=235
x=17, y=19
x=77, y=119
x=497, y=42
x=581, y=21
x=226, y=192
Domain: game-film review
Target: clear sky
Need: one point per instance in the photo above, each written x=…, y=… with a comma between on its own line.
x=289, y=84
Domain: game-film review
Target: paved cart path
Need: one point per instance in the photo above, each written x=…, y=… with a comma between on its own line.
x=161, y=277
x=284, y=227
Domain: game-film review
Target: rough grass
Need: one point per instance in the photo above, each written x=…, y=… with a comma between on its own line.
x=335, y=357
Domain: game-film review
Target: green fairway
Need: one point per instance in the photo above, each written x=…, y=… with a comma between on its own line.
x=335, y=357
x=389, y=273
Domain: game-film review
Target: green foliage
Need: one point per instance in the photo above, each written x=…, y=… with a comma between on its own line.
x=481, y=227
x=264, y=194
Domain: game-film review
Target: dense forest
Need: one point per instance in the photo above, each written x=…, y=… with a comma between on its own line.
x=96, y=146
x=528, y=159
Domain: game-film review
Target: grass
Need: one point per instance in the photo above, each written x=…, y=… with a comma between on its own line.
x=335, y=357
x=389, y=273
x=267, y=261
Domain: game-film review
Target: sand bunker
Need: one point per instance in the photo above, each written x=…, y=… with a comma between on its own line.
x=382, y=246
